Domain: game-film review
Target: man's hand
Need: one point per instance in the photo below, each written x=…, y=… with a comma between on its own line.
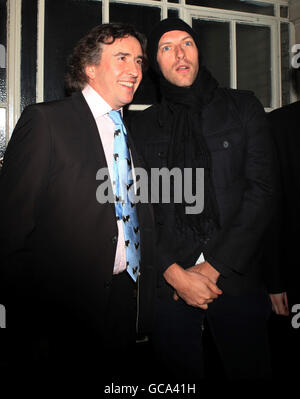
x=193, y=287
x=207, y=269
x=280, y=304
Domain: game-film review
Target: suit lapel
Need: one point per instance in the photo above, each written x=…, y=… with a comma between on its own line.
x=88, y=125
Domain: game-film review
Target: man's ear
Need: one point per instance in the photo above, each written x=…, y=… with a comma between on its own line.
x=90, y=71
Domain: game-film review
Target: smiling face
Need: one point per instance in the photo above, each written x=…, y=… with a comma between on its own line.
x=177, y=56
x=119, y=72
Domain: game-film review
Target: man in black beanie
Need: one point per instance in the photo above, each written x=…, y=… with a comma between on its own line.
x=223, y=132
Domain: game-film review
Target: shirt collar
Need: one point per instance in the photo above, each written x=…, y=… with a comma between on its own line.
x=97, y=104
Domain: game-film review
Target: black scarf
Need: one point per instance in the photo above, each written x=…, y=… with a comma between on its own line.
x=188, y=148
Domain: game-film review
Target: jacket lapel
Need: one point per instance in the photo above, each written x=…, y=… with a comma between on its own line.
x=87, y=122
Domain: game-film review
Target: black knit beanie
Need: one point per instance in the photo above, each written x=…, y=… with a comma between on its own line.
x=167, y=25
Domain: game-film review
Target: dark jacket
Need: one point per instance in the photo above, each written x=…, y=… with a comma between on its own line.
x=283, y=242
x=237, y=135
x=57, y=242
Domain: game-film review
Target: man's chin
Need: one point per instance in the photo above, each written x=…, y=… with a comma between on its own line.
x=182, y=82
x=127, y=101
x=186, y=85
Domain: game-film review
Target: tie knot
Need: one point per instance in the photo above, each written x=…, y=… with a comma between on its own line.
x=115, y=116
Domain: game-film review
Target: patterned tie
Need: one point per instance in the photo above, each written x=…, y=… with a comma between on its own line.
x=124, y=197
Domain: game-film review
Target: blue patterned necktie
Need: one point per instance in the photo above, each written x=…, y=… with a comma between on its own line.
x=123, y=189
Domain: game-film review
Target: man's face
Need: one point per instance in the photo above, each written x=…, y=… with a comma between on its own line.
x=119, y=72
x=177, y=56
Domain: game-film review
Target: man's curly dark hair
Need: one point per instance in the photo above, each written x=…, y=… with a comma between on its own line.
x=88, y=51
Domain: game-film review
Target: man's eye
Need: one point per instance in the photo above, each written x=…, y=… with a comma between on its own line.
x=188, y=43
x=140, y=61
x=166, y=48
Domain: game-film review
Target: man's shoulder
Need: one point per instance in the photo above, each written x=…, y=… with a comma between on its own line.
x=238, y=92
x=292, y=108
x=232, y=100
x=236, y=95
x=144, y=122
x=52, y=105
x=242, y=102
x=51, y=112
x=149, y=112
x=284, y=120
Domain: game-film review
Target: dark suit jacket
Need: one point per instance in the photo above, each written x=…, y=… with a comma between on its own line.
x=57, y=242
x=237, y=135
x=282, y=248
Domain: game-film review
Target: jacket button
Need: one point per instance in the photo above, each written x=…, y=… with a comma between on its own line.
x=161, y=154
x=225, y=144
x=114, y=239
x=107, y=284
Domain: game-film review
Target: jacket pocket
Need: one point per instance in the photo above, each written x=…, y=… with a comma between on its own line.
x=227, y=150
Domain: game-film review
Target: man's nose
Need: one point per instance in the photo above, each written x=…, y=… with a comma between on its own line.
x=180, y=53
x=134, y=69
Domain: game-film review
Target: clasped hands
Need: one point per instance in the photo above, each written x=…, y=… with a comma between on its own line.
x=197, y=285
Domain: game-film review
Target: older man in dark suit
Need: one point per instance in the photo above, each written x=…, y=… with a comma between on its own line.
x=65, y=255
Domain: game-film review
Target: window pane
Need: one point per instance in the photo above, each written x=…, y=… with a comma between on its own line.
x=284, y=12
x=215, y=48
x=3, y=51
x=143, y=18
x=2, y=131
x=235, y=5
x=66, y=21
x=28, y=52
x=285, y=63
x=254, y=60
x=173, y=13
